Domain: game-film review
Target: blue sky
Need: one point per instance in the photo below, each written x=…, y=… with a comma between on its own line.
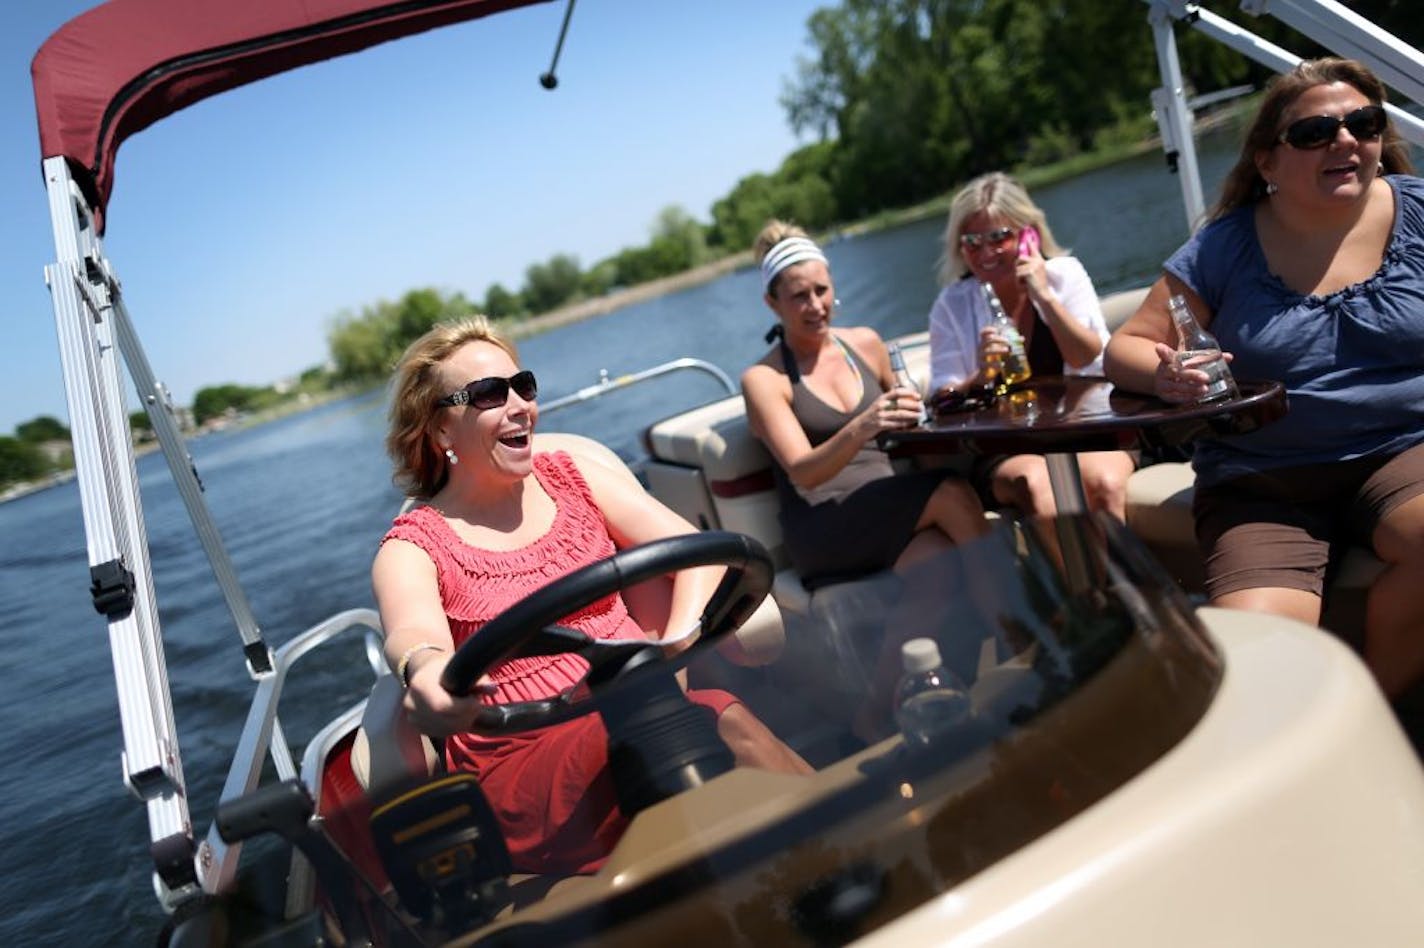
x=242, y=226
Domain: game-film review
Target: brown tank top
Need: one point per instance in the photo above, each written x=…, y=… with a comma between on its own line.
x=820, y=421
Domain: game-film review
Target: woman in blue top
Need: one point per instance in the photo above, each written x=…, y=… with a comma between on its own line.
x=1310, y=271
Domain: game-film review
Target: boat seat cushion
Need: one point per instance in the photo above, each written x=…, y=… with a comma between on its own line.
x=714, y=438
x=388, y=751
x=1118, y=306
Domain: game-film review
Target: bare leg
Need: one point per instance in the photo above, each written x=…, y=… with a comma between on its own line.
x=1022, y=482
x=954, y=509
x=1291, y=603
x=754, y=745
x=1105, y=475
x=1394, y=612
x=924, y=545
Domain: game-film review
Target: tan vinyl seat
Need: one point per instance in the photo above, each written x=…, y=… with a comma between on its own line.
x=1118, y=306
x=388, y=752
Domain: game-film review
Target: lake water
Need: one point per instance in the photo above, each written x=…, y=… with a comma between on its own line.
x=301, y=504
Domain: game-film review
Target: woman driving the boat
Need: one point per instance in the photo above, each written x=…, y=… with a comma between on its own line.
x=498, y=523
x=997, y=237
x=817, y=400
x=1310, y=271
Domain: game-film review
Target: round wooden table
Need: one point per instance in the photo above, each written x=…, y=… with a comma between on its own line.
x=1059, y=416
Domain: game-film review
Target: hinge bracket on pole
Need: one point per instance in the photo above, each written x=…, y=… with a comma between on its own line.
x=111, y=586
x=173, y=861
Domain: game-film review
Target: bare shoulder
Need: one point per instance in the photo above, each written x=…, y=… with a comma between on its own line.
x=865, y=341
x=399, y=560
x=767, y=372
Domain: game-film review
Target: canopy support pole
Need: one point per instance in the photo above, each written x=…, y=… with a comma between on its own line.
x=1396, y=63
x=93, y=331
x=1174, y=115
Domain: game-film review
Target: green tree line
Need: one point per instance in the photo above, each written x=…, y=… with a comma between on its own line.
x=38, y=448
x=904, y=101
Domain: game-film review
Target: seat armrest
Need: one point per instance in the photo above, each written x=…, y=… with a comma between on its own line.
x=388, y=751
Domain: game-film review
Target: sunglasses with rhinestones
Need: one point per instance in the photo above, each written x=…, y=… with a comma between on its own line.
x=1317, y=131
x=493, y=392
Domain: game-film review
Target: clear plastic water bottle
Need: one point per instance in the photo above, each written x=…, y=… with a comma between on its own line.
x=929, y=700
x=903, y=378
x=1012, y=367
x=1198, y=349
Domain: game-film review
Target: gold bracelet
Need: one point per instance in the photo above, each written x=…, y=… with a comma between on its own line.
x=403, y=668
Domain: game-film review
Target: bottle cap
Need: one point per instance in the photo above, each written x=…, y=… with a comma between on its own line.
x=920, y=655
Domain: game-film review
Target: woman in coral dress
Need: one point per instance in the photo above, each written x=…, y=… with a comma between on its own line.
x=500, y=522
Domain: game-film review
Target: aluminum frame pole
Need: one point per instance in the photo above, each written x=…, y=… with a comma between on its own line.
x=1338, y=28
x=113, y=526
x=156, y=400
x=1273, y=57
x=1174, y=115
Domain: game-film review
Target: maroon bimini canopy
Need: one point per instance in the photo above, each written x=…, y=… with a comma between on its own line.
x=118, y=68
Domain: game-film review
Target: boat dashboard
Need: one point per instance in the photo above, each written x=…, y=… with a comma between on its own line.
x=1075, y=680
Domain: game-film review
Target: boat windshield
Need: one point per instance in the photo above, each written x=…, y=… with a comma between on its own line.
x=1070, y=663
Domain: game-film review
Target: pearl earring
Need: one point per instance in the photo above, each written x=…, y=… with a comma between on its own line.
x=450, y=455
x=1271, y=188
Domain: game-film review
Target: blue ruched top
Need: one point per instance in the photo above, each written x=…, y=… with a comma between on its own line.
x=1352, y=361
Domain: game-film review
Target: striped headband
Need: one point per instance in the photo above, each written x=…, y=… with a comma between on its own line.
x=787, y=252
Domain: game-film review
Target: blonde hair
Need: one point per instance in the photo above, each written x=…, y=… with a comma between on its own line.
x=1244, y=185
x=421, y=468
x=999, y=196
x=773, y=233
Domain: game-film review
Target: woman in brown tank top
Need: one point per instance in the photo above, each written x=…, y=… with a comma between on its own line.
x=817, y=400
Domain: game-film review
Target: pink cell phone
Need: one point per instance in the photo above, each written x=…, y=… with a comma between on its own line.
x=1028, y=241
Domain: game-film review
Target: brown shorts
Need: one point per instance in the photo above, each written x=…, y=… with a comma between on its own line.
x=1287, y=528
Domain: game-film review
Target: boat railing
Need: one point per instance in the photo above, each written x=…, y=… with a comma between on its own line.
x=606, y=384
x=263, y=736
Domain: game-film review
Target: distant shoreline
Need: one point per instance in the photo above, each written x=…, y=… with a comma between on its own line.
x=937, y=206
x=713, y=269
x=617, y=299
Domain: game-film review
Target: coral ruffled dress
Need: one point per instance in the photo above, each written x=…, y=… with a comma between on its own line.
x=550, y=788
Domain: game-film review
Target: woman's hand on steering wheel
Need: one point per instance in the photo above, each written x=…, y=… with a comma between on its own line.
x=435, y=711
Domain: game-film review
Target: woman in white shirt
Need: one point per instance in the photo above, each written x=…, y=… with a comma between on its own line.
x=996, y=235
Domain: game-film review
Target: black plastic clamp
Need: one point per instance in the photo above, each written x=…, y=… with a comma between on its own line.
x=173, y=860
x=111, y=586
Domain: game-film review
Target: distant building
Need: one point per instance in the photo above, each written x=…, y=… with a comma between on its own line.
x=56, y=451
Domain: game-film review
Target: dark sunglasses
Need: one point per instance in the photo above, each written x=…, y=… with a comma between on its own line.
x=995, y=237
x=1317, y=131
x=494, y=391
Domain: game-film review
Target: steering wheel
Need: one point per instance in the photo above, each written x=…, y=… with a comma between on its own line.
x=526, y=628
